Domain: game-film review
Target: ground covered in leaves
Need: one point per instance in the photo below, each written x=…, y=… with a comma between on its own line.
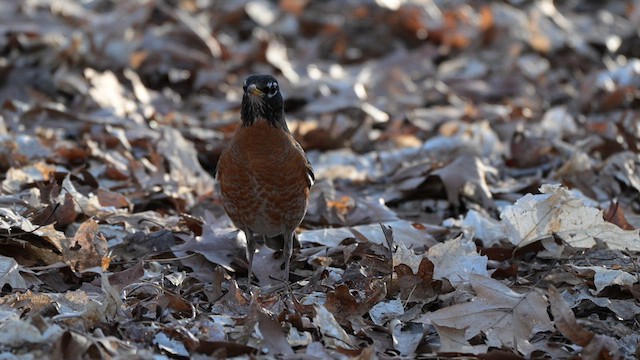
x=477, y=165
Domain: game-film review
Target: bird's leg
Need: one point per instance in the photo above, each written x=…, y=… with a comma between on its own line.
x=287, y=251
x=251, y=250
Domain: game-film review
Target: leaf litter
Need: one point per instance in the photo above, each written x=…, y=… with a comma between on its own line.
x=478, y=175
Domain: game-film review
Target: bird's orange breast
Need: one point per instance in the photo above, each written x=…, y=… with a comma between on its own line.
x=263, y=177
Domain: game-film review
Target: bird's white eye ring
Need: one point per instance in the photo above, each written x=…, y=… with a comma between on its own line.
x=273, y=89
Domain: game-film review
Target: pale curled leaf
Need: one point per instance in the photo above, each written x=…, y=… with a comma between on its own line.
x=88, y=205
x=622, y=308
x=332, y=333
x=172, y=346
x=457, y=260
x=559, y=211
x=107, y=91
x=218, y=245
x=10, y=219
x=383, y=311
x=297, y=338
x=406, y=337
x=20, y=333
x=10, y=273
x=603, y=277
x=483, y=227
x=408, y=233
x=408, y=257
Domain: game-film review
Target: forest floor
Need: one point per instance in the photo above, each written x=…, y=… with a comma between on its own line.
x=477, y=167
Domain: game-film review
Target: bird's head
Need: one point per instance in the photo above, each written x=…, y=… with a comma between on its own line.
x=262, y=100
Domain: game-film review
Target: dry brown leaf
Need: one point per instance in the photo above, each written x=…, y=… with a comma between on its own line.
x=87, y=247
x=109, y=198
x=595, y=346
x=65, y=214
x=565, y=320
x=419, y=287
x=343, y=304
x=127, y=277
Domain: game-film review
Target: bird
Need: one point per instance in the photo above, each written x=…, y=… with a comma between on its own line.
x=264, y=174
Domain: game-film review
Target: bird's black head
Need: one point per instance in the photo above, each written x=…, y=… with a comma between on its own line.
x=262, y=100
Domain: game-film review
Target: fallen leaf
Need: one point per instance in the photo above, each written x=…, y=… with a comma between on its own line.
x=622, y=308
x=274, y=336
x=559, y=211
x=10, y=274
x=466, y=176
x=87, y=247
x=184, y=167
x=410, y=234
x=504, y=316
x=603, y=277
x=172, y=346
x=218, y=245
x=596, y=346
x=481, y=226
x=332, y=333
x=382, y=312
x=615, y=215
x=406, y=337
x=457, y=260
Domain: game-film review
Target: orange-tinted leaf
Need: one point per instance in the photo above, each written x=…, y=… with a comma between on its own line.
x=108, y=198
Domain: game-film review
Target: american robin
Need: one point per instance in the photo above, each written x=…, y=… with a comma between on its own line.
x=264, y=174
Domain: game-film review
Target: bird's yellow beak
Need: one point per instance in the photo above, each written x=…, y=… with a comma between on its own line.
x=253, y=90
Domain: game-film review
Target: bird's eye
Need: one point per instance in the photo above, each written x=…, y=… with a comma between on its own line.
x=273, y=89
